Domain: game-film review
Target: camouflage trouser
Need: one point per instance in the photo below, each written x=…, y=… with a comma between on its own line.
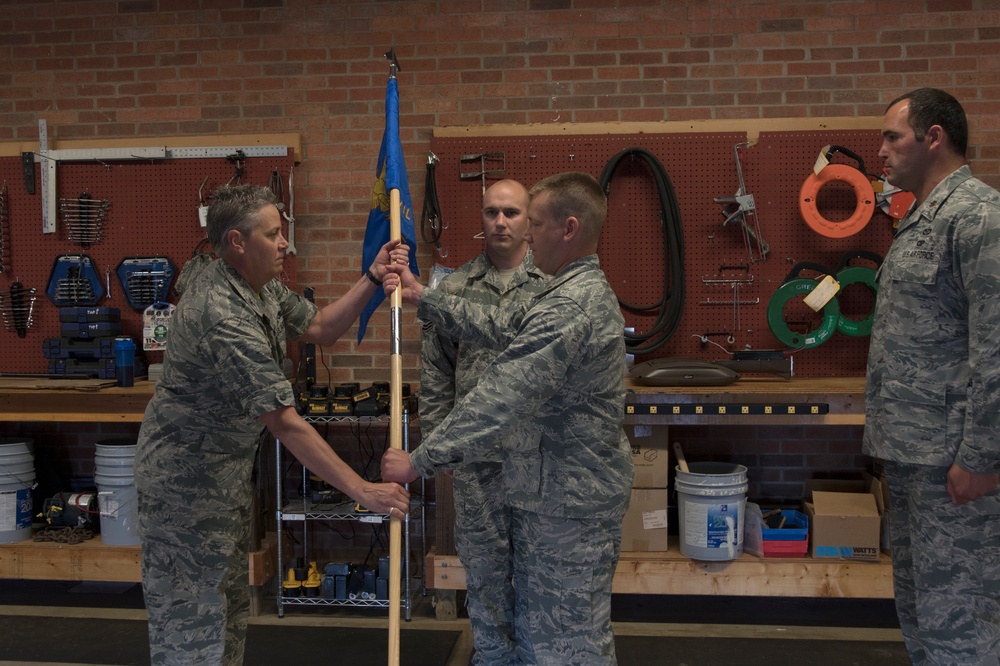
x=194, y=578
x=946, y=569
x=563, y=570
x=482, y=538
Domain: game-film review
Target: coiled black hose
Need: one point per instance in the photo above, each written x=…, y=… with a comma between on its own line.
x=430, y=217
x=671, y=304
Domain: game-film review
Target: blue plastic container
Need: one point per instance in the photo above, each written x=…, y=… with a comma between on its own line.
x=125, y=361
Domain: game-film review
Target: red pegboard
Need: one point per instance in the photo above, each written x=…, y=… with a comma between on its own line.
x=152, y=212
x=701, y=167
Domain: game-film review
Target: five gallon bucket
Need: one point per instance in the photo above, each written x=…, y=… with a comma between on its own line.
x=711, y=497
x=17, y=476
x=114, y=470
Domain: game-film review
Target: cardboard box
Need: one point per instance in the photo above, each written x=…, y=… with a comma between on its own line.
x=845, y=518
x=650, y=455
x=644, y=527
x=878, y=477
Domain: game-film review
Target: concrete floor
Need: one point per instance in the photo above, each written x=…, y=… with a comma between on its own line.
x=815, y=631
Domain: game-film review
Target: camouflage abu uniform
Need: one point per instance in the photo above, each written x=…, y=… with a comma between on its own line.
x=450, y=369
x=197, y=446
x=932, y=399
x=551, y=406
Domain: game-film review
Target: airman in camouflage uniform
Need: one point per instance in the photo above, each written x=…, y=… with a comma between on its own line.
x=933, y=389
x=551, y=407
x=222, y=383
x=451, y=367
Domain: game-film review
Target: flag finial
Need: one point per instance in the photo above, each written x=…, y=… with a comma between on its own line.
x=394, y=67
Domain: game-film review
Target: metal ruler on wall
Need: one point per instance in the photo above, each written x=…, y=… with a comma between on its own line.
x=50, y=159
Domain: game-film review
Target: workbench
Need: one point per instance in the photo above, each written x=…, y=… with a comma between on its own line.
x=817, y=401
x=25, y=399
x=87, y=401
x=751, y=402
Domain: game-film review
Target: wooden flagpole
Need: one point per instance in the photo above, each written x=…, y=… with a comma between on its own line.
x=395, y=415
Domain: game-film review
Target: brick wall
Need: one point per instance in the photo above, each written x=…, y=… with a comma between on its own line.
x=143, y=68
x=779, y=459
x=97, y=69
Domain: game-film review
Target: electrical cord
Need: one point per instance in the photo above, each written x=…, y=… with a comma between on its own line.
x=671, y=304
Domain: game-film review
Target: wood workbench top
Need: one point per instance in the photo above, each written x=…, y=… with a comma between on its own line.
x=73, y=400
x=101, y=401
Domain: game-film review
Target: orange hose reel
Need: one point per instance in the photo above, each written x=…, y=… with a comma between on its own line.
x=863, y=192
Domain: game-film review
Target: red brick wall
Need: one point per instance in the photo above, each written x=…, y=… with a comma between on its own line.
x=145, y=68
x=99, y=69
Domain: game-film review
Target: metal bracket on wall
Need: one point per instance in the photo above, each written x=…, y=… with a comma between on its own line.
x=49, y=159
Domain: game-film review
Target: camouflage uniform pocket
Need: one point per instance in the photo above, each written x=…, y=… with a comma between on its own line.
x=923, y=418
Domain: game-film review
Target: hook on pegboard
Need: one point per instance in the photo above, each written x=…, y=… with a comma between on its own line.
x=239, y=158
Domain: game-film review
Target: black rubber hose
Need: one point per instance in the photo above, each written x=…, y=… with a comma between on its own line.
x=671, y=304
x=430, y=216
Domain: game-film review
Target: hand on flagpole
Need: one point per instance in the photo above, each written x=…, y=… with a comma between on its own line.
x=391, y=253
x=396, y=466
x=399, y=274
x=384, y=498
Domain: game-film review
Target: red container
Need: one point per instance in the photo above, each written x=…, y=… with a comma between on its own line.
x=797, y=548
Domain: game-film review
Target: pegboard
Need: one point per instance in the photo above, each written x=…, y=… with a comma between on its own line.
x=701, y=167
x=152, y=212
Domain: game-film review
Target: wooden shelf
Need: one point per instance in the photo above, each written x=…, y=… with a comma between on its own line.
x=88, y=401
x=670, y=572
x=645, y=573
x=92, y=560
x=73, y=400
x=87, y=560
x=838, y=401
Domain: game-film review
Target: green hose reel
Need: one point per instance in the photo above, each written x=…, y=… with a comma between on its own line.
x=832, y=318
x=848, y=275
x=859, y=328
x=794, y=288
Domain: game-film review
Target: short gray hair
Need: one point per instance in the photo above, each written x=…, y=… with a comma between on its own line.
x=238, y=208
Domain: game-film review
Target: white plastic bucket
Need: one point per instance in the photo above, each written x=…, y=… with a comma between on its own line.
x=711, y=498
x=114, y=469
x=115, y=457
x=116, y=501
x=116, y=448
x=17, y=476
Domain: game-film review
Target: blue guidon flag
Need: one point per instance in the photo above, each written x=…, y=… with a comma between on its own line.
x=390, y=174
